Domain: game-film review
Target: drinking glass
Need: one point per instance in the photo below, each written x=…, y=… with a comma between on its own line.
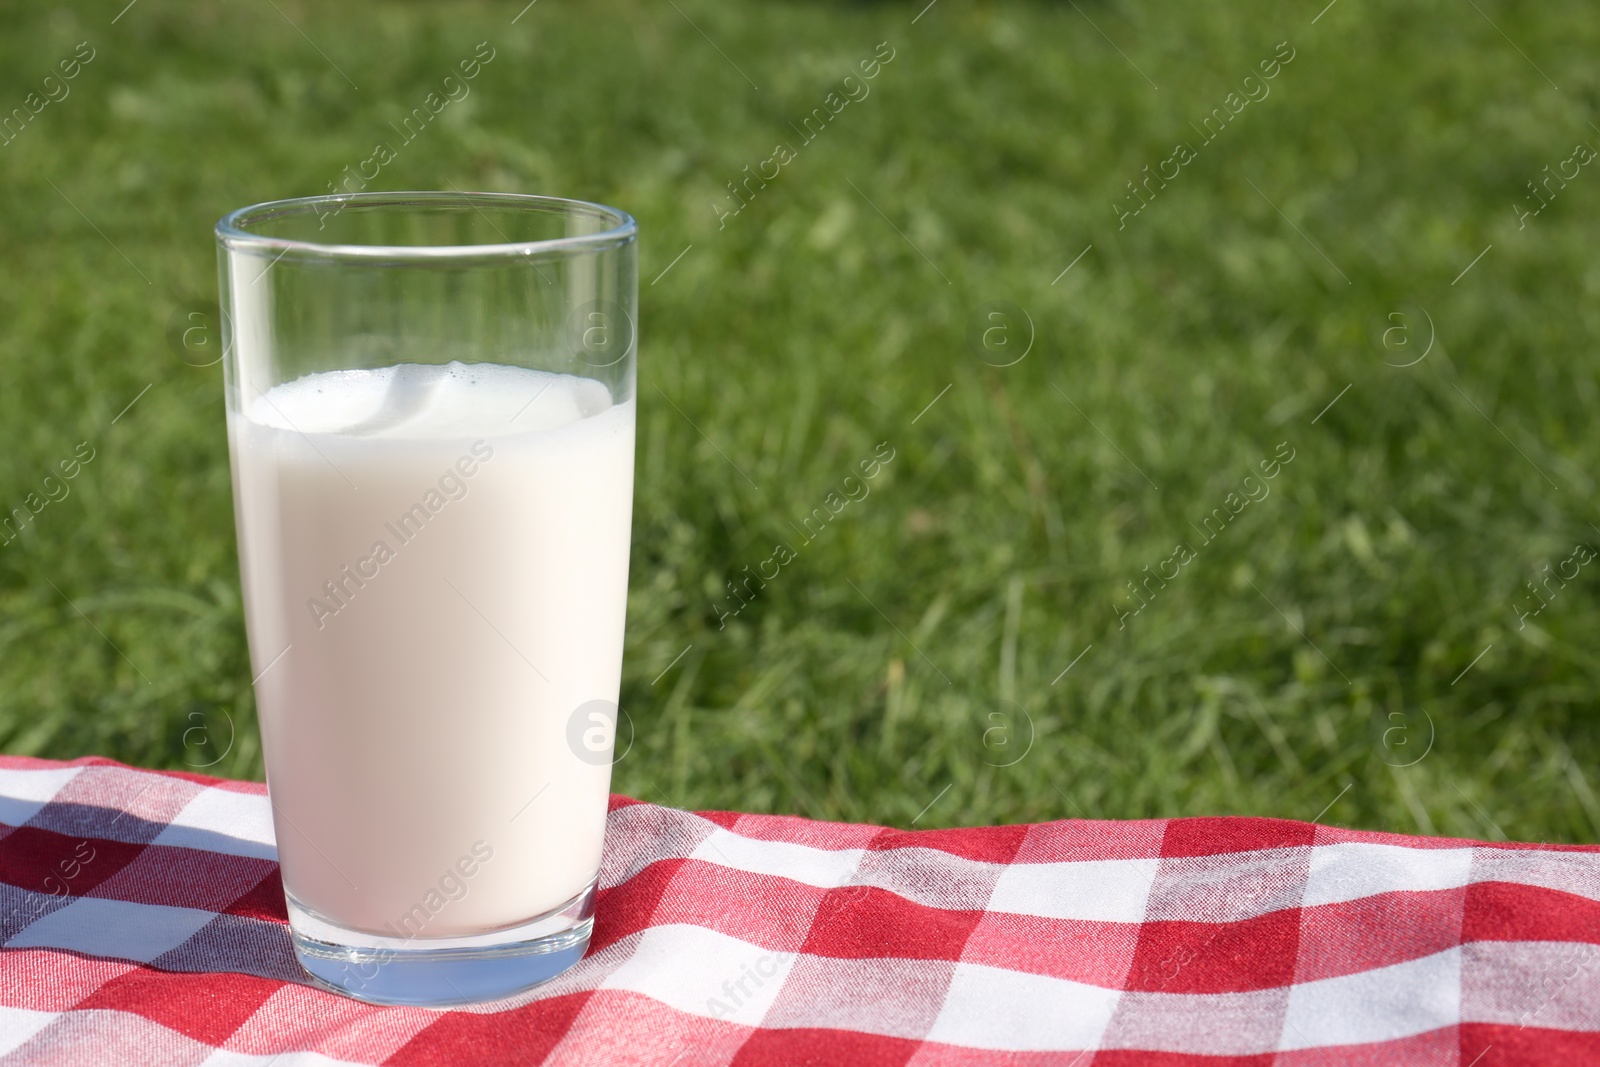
x=430, y=409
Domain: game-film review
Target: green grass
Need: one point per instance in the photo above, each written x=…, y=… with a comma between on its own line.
x=864, y=682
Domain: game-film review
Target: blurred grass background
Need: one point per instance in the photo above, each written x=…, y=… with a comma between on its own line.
x=1349, y=646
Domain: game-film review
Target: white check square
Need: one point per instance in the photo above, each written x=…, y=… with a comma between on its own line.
x=820, y=867
x=1090, y=890
x=994, y=1008
x=24, y=792
x=224, y=820
x=114, y=929
x=1357, y=869
x=1379, y=1005
x=18, y=1025
x=703, y=972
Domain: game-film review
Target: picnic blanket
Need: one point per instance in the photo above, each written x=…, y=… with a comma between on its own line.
x=144, y=924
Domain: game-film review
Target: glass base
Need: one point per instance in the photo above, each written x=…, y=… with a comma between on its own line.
x=441, y=971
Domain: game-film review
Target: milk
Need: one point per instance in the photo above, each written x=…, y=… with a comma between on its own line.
x=435, y=571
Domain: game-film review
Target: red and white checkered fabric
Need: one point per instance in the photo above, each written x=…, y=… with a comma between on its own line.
x=144, y=924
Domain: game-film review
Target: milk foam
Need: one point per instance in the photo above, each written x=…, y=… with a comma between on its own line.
x=417, y=401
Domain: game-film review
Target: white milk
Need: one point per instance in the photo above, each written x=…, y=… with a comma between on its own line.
x=443, y=552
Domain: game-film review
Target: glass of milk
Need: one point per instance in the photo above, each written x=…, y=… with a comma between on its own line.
x=430, y=405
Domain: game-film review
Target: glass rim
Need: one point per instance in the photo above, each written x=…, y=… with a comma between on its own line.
x=233, y=232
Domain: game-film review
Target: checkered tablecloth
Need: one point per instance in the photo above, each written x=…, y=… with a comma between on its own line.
x=144, y=924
